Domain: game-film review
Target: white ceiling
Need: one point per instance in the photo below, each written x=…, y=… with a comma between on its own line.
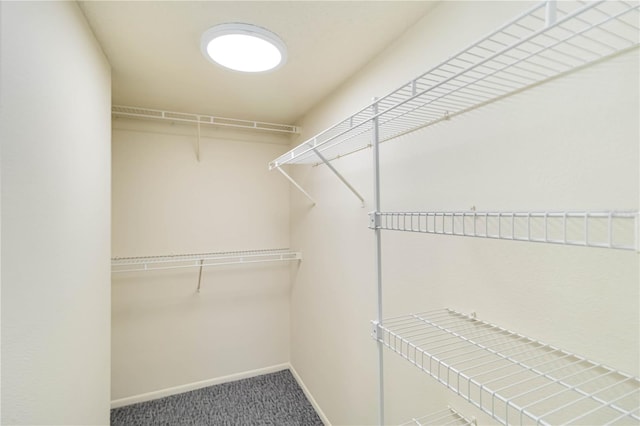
x=154, y=51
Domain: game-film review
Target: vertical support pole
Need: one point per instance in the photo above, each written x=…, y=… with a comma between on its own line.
x=637, y=230
x=550, y=13
x=610, y=230
x=375, y=143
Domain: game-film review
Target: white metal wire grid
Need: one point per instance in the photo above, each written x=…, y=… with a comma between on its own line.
x=606, y=229
x=550, y=40
x=447, y=417
x=512, y=378
x=154, y=114
x=198, y=260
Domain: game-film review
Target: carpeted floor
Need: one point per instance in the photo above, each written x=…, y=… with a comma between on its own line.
x=271, y=399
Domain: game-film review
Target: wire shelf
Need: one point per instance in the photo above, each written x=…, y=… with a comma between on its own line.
x=512, y=378
x=199, y=260
x=605, y=229
x=447, y=417
x=154, y=114
x=551, y=39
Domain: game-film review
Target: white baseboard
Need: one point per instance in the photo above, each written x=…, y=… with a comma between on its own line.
x=307, y=393
x=116, y=403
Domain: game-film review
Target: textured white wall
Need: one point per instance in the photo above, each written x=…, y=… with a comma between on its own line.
x=55, y=132
x=569, y=144
x=165, y=202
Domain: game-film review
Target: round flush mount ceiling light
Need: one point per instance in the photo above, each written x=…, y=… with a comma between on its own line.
x=243, y=47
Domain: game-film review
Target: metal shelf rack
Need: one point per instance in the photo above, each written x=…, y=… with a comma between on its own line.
x=512, y=378
x=605, y=229
x=550, y=40
x=199, y=120
x=200, y=260
x=186, y=117
x=508, y=376
x=447, y=417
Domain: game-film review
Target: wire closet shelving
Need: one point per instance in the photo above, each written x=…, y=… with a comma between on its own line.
x=200, y=119
x=512, y=378
x=548, y=41
x=605, y=229
x=447, y=417
x=201, y=260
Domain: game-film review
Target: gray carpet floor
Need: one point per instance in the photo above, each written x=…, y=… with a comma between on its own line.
x=271, y=399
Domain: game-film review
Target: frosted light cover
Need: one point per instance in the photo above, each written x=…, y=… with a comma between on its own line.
x=243, y=47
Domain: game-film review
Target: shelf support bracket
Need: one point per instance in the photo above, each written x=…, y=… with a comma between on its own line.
x=342, y=179
x=374, y=220
x=376, y=333
x=636, y=224
x=198, y=142
x=200, y=275
x=296, y=185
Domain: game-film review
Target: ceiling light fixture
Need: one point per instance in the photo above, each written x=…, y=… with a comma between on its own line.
x=243, y=47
